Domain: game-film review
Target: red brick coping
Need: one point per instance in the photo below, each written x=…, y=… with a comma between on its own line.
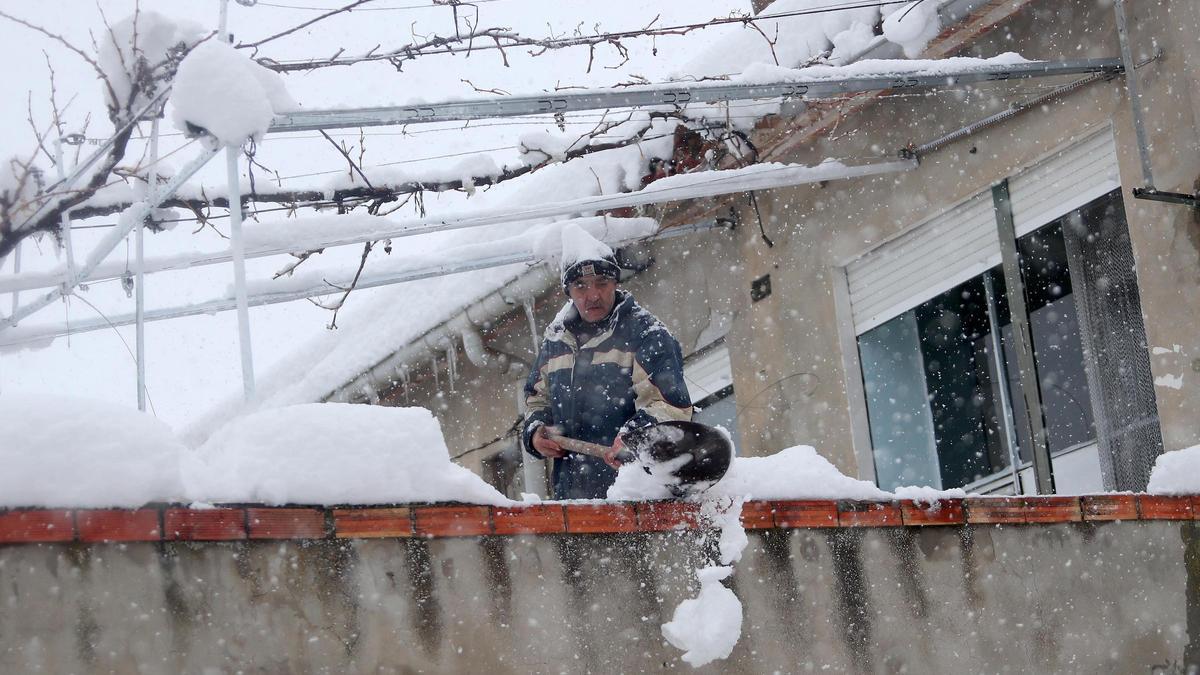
x=234, y=523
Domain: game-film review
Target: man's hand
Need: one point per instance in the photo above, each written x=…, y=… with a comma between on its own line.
x=610, y=457
x=546, y=447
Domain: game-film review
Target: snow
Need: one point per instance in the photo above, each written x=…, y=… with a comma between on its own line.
x=78, y=453
x=145, y=34
x=912, y=26
x=1176, y=473
x=72, y=452
x=332, y=453
x=708, y=626
x=221, y=90
x=577, y=245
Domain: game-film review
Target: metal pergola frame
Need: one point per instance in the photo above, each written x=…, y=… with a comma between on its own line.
x=675, y=95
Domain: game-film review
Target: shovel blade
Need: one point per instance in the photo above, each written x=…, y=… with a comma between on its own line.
x=709, y=450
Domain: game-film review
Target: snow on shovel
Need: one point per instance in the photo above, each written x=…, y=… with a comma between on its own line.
x=688, y=457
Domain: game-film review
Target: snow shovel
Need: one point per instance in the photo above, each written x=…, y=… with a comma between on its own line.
x=693, y=456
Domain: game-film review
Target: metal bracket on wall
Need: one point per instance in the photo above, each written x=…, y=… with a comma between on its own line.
x=1155, y=195
x=1148, y=192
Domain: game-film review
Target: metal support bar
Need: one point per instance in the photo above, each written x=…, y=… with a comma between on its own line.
x=992, y=120
x=110, y=241
x=140, y=272
x=1135, y=94
x=237, y=249
x=64, y=221
x=757, y=177
x=1007, y=419
x=1035, y=419
x=16, y=296
x=365, y=281
x=65, y=184
x=675, y=95
x=533, y=470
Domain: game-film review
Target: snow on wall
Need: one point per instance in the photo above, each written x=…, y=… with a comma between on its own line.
x=69, y=452
x=221, y=90
x=1176, y=473
x=332, y=453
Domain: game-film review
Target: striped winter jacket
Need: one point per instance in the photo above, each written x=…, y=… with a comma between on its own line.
x=627, y=376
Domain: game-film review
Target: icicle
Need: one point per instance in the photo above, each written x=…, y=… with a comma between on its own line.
x=404, y=380
x=537, y=343
x=451, y=361
x=434, y=367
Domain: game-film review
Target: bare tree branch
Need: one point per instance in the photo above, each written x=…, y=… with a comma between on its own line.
x=306, y=24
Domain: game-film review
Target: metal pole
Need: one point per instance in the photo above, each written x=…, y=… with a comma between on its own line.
x=676, y=94
x=110, y=241
x=140, y=269
x=1007, y=418
x=1135, y=94
x=65, y=218
x=227, y=304
x=533, y=470
x=16, y=296
x=239, y=269
x=1035, y=420
x=360, y=229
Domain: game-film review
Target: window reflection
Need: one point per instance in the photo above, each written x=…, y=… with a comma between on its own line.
x=936, y=410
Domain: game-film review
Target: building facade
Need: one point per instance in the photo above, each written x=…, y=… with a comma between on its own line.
x=933, y=326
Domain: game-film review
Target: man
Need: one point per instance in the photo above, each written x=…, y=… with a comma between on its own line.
x=605, y=366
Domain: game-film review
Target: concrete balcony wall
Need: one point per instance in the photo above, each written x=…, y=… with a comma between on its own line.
x=985, y=585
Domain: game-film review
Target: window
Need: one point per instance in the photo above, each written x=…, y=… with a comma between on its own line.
x=709, y=380
x=941, y=379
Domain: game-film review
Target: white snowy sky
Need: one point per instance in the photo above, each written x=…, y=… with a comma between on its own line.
x=193, y=362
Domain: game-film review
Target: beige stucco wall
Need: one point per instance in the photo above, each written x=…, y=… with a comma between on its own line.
x=1107, y=597
x=788, y=355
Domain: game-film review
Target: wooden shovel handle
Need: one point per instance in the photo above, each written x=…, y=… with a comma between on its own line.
x=624, y=456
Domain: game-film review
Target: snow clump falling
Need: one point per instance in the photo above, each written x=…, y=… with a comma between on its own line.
x=71, y=453
x=332, y=453
x=707, y=627
x=222, y=91
x=1176, y=473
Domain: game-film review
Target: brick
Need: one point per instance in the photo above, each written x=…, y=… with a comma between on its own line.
x=992, y=510
x=758, y=515
x=1052, y=509
x=37, y=525
x=118, y=525
x=452, y=521
x=373, y=523
x=940, y=512
x=532, y=519
x=1109, y=507
x=285, y=523
x=667, y=515
x=600, y=518
x=806, y=513
x=204, y=524
x=1162, y=507
x=868, y=514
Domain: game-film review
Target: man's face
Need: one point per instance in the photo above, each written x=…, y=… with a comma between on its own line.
x=594, y=296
